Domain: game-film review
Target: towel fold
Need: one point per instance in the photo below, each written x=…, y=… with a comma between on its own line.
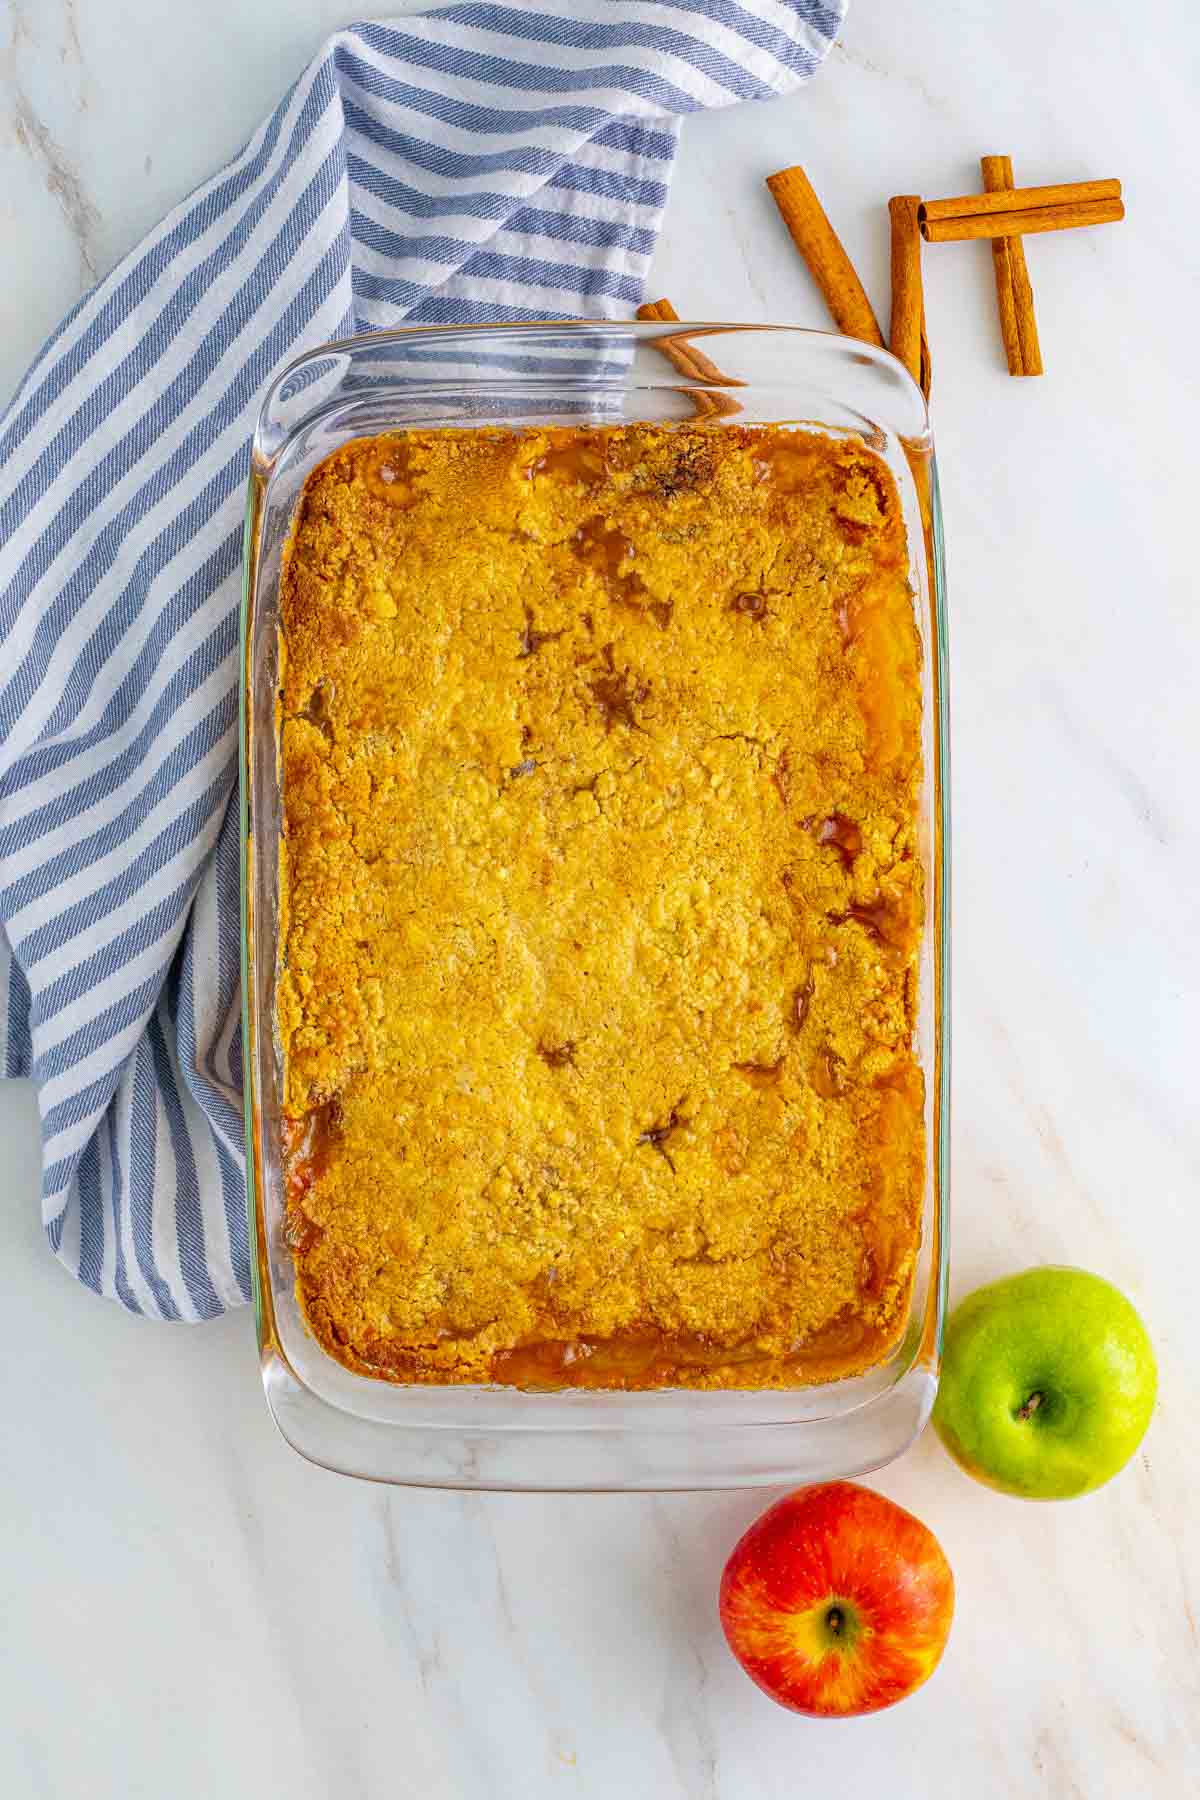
x=477, y=162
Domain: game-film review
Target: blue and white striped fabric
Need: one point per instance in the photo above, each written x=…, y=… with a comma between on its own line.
x=483, y=161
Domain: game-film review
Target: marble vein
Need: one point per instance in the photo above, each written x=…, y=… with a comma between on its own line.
x=63, y=181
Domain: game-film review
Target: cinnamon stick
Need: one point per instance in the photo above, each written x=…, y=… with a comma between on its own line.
x=1014, y=293
x=908, y=342
x=703, y=368
x=1010, y=199
x=658, y=310
x=1002, y=265
x=691, y=363
x=1023, y=223
x=821, y=248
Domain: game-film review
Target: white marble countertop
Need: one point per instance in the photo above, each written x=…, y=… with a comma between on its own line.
x=187, y=1607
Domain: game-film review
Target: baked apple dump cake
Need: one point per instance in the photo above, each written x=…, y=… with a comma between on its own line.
x=601, y=907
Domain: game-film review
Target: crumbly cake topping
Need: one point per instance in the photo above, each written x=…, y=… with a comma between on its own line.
x=601, y=757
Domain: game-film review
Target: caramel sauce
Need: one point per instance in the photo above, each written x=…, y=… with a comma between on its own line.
x=577, y=460
x=885, y=920
x=843, y=835
x=761, y=1075
x=644, y=1358
x=878, y=1259
x=582, y=1362
x=788, y=467
x=301, y=1233
x=393, y=1359
x=558, y=1056
x=879, y=641
x=870, y=473
x=605, y=549
x=318, y=709
x=801, y=1001
x=617, y=693
x=308, y=1143
x=390, y=478
x=832, y=1343
x=826, y=1075
x=631, y=1360
x=905, y=1081
x=882, y=1240
x=532, y=640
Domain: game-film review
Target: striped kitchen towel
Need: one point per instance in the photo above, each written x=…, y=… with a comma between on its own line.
x=482, y=161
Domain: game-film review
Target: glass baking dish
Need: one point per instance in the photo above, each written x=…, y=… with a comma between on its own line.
x=494, y=1437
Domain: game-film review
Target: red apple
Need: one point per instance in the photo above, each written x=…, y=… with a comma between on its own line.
x=837, y=1601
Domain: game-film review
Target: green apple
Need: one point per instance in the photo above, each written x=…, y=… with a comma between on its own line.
x=1048, y=1383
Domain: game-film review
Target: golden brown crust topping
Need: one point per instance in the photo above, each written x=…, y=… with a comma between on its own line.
x=601, y=756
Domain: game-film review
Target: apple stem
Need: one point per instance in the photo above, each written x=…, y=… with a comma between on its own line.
x=1031, y=1405
x=835, y=1619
